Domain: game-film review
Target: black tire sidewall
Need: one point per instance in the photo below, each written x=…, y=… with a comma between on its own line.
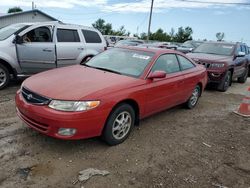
x=243, y=78
x=222, y=87
x=189, y=105
x=7, y=76
x=107, y=133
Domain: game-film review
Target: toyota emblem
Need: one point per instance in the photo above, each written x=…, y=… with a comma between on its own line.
x=29, y=96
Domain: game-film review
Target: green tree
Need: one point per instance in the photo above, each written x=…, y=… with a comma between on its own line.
x=183, y=34
x=159, y=35
x=14, y=9
x=107, y=29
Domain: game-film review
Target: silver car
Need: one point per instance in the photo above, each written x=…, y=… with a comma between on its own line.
x=29, y=48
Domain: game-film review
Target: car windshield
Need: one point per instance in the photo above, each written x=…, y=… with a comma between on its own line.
x=10, y=30
x=215, y=48
x=122, y=61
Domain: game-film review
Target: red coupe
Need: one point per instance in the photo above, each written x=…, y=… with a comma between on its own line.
x=109, y=94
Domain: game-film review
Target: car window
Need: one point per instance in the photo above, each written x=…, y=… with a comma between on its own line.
x=67, y=35
x=40, y=34
x=243, y=49
x=238, y=49
x=185, y=63
x=91, y=36
x=167, y=63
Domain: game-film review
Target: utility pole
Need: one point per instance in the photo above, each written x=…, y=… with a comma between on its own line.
x=149, y=23
x=33, y=5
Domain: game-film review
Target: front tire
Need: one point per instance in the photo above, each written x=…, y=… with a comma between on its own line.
x=226, y=82
x=119, y=125
x=4, y=76
x=243, y=78
x=193, y=100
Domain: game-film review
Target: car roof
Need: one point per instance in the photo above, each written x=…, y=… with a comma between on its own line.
x=150, y=49
x=223, y=42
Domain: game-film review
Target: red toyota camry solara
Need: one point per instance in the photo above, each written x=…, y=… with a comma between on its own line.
x=110, y=93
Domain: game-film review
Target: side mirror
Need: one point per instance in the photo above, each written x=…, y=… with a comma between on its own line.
x=18, y=39
x=240, y=54
x=157, y=74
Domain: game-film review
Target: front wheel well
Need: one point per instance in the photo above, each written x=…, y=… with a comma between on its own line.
x=86, y=58
x=132, y=103
x=201, y=87
x=8, y=66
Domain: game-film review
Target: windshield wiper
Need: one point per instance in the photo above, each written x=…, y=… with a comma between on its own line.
x=104, y=69
x=108, y=70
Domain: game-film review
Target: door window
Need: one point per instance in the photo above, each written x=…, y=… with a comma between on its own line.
x=40, y=34
x=167, y=63
x=243, y=49
x=67, y=35
x=185, y=63
x=91, y=36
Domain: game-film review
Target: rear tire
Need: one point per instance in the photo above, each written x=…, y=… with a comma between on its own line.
x=243, y=78
x=193, y=100
x=226, y=82
x=119, y=125
x=4, y=76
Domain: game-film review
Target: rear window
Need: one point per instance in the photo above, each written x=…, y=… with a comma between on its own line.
x=67, y=35
x=91, y=36
x=185, y=63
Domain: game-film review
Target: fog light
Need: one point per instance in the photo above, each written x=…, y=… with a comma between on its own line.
x=66, y=131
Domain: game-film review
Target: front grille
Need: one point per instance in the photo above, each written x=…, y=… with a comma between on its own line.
x=206, y=65
x=34, y=98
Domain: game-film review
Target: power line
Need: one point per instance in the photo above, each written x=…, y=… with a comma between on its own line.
x=213, y=2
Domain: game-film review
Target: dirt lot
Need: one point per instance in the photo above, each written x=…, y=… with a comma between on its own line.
x=208, y=146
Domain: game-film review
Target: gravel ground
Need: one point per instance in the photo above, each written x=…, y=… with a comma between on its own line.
x=208, y=146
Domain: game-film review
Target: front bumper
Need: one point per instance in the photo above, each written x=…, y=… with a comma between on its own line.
x=48, y=121
x=215, y=76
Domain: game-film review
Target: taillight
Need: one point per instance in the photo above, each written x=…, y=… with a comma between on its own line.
x=105, y=48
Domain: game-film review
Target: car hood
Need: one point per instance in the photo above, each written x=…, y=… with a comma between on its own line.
x=77, y=83
x=209, y=57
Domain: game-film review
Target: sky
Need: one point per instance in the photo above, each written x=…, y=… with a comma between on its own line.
x=205, y=18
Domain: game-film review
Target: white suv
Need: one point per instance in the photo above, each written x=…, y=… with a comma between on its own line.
x=29, y=48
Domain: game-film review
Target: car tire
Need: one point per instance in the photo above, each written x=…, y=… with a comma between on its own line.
x=243, y=78
x=4, y=76
x=193, y=100
x=226, y=82
x=119, y=124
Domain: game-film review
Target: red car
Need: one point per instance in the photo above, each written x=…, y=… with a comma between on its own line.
x=110, y=93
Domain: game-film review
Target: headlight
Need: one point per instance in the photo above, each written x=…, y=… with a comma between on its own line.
x=217, y=65
x=73, y=106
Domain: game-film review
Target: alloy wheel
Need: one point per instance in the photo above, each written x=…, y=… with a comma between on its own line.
x=121, y=125
x=195, y=96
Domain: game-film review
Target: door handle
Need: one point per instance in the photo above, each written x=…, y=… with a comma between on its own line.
x=47, y=50
x=80, y=48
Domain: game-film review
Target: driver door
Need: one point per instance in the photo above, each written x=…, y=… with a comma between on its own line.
x=165, y=92
x=36, y=51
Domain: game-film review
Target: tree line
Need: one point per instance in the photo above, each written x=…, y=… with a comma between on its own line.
x=182, y=34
